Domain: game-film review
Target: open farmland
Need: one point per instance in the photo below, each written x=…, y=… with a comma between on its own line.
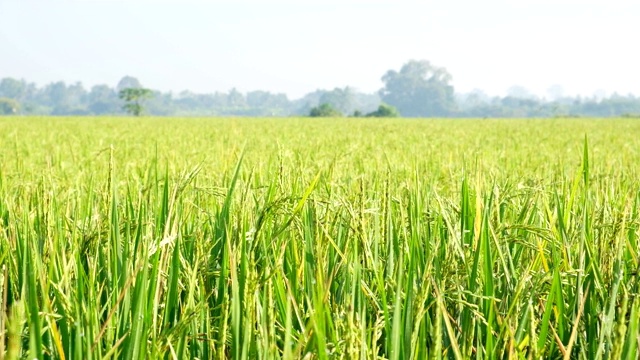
x=331, y=238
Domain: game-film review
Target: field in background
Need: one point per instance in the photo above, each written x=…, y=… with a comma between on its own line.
x=329, y=238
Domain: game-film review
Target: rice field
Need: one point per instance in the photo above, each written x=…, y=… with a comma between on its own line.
x=182, y=238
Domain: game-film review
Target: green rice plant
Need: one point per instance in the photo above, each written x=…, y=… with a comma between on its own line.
x=338, y=238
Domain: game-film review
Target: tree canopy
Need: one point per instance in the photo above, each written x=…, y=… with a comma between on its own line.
x=324, y=110
x=128, y=82
x=134, y=98
x=384, y=110
x=8, y=106
x=419, y=89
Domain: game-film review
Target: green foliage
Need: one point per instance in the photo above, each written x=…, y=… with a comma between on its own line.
x=134, y=98
x=419, y=89
x=324, y=110
x=327, y=239
x=342, y=100
x=8, y=106
x=385, y=111
x=12, y=88
x=128, y=82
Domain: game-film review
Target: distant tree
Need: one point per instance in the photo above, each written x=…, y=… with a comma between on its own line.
x=220, y=100
x=56, y=94
x=419, y=89
x=128, y=82
x=343, y=100
x=134, y=98
x=8, y=106
x=235, y=99
x=161, y=104
x=310, y=100
x=103, y=100
x=258, y=98
x=473, y=99
x=386, y=111
x=265, y=99
x=366, y=103
x=77, y=95
x=324, y=110
x=264, y=103
x=12, y=88
x=67, y=99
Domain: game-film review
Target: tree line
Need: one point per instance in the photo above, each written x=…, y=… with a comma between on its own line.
x=417, y=89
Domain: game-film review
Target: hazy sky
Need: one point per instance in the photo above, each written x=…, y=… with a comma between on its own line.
x=299, y=46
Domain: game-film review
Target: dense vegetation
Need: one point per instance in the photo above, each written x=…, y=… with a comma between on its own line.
x=349, y=238
x=418, y=89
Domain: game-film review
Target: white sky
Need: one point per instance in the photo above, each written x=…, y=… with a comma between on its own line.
x=299, y=46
